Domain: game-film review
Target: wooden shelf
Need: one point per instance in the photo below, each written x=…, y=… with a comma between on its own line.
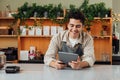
x=6, y=18
x=101, y=37
x=14, y=61
x=49, y=36
x=4, y=27
x=8, y=36
x=45, y=18
x=103, y=18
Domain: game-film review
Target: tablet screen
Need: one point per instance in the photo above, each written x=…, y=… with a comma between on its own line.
x=66, y=57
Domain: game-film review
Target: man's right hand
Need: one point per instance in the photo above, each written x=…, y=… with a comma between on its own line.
x=58, y=64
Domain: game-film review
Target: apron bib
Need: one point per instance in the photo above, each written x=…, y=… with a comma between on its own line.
x=77, y=49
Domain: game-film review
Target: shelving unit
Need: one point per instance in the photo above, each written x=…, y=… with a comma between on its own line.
x=7, y=40
x=102, y=43
x=40, y=42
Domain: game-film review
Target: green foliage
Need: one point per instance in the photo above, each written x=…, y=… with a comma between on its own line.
x=54, y=11
x=72, y=7
x=93, y=10
x=26, y=11
x=23, y=12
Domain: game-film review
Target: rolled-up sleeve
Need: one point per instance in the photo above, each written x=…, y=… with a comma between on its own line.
x=89, y=52
x=51, y=52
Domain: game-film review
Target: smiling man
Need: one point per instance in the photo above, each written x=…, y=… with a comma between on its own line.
x=73, y=40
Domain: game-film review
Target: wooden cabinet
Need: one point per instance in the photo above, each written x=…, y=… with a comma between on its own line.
x=101, y=30
x=40, y=42
x=6, y=39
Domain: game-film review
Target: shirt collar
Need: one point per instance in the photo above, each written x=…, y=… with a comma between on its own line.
x=66, y=37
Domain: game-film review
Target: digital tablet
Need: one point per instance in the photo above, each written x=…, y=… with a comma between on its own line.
x=66, y=57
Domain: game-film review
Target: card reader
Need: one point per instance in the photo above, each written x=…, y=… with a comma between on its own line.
x=12, y=69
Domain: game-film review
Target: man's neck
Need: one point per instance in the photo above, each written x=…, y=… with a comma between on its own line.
x=73, y=37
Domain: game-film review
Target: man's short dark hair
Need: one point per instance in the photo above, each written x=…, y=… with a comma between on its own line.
x=77, y=14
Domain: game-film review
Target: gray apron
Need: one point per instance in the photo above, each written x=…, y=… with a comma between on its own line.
x=77, y=49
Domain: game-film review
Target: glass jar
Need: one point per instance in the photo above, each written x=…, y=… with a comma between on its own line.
x=2, y=59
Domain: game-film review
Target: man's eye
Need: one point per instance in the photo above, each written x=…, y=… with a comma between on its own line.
x=78, y=26
x=71, y=25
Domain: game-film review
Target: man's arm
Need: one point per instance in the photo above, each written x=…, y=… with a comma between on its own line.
x=88, y=50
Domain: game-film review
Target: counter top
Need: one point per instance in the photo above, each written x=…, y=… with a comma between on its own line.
x=42, y=72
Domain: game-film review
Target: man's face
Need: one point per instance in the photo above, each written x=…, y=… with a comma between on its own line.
x=74, y=27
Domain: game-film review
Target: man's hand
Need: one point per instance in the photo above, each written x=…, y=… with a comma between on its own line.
x=58, y=64
x=78, y=64
x=75, y=64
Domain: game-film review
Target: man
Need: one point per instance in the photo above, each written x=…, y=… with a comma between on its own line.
x=72, y=40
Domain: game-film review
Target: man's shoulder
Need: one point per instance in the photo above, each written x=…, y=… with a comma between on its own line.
x=87, y=35
x=61, y=34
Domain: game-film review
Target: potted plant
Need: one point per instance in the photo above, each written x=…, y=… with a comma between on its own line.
x=58, y=15
x=88, y=12
x=46, y=9
x=93, y=10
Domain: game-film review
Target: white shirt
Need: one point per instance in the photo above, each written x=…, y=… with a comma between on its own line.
x=73, y=41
